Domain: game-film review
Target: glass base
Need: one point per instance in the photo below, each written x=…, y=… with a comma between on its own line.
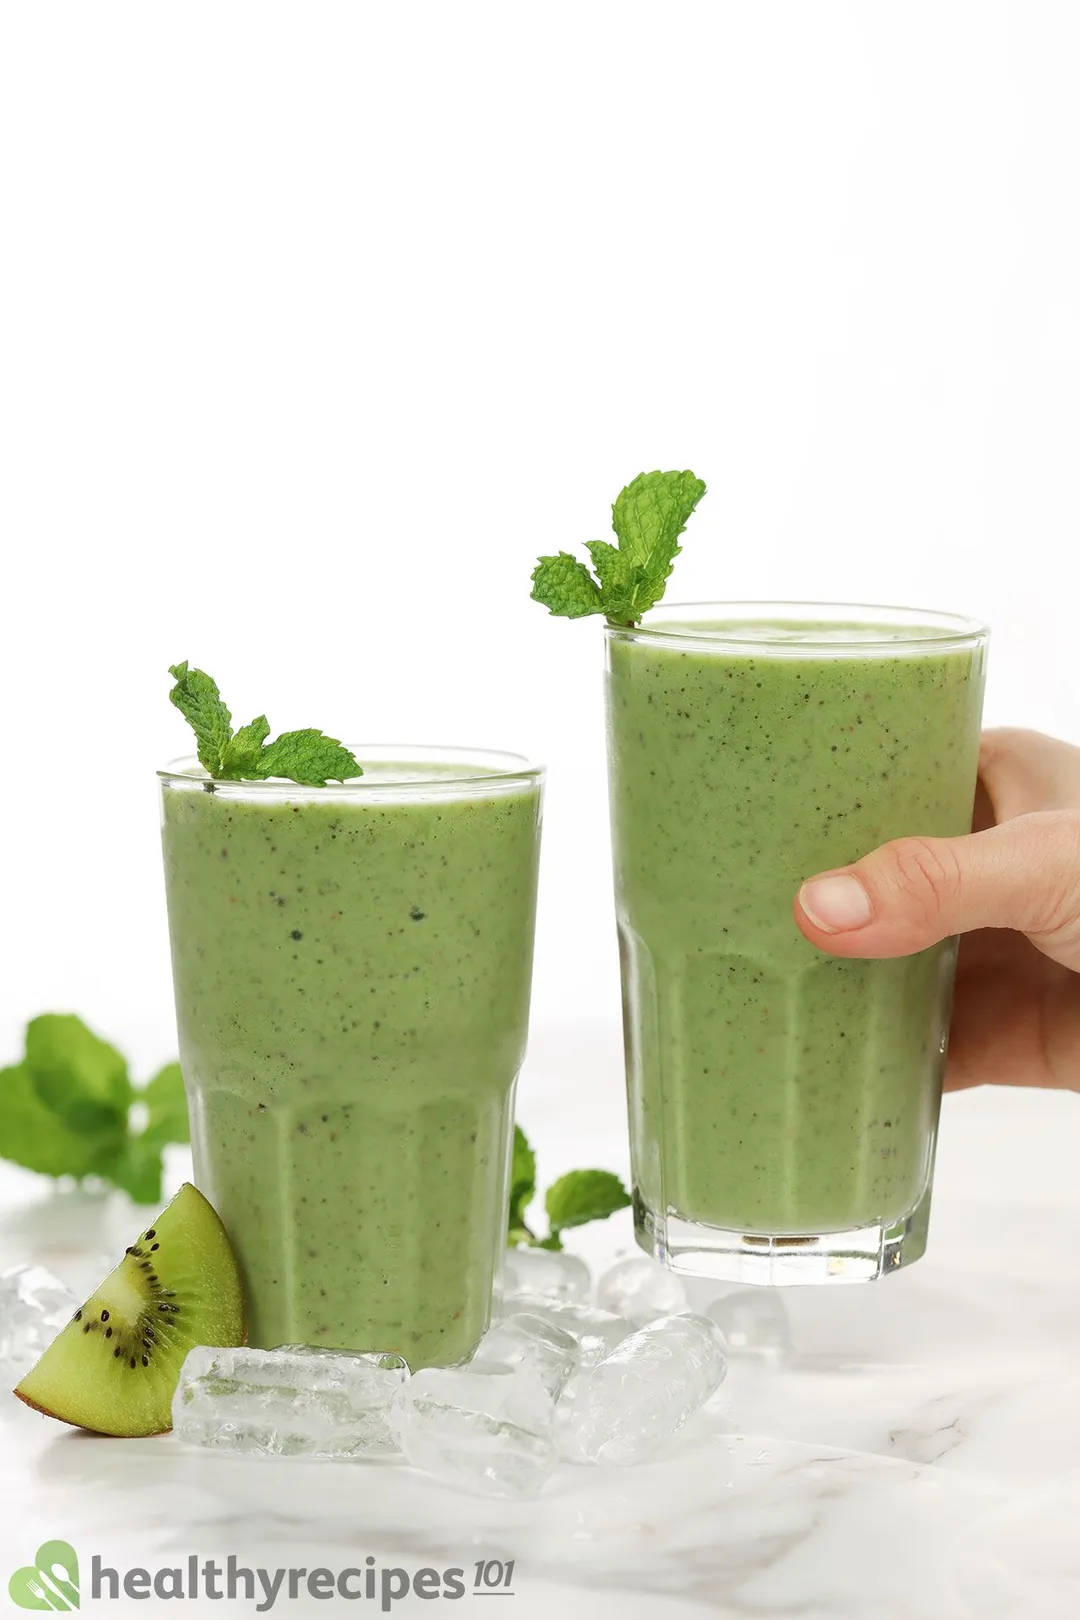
x=861, y=1255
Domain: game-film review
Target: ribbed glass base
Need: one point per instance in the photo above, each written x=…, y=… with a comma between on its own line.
x=859, y=1255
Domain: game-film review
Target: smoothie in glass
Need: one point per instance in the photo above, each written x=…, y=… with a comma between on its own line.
x=352, y=969
x=783, y=1103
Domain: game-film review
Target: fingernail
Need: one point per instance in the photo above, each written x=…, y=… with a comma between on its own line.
x=836, y=904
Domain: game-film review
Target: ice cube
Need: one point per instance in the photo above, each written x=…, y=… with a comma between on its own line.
x=486, y=1430
x=546, y=1272
x=524, y=1340
x=293, y=1402
x=596, y=1332
x=641, y=1290
x=624, y=1409
x=316, y=1351
x=755, y=1322
x=34, y=1306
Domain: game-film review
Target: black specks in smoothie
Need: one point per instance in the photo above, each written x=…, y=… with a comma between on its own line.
x=713, y=794
x=351, y=879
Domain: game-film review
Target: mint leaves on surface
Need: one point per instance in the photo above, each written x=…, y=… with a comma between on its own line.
x=65, y=1110
x=582, y=1196
x=307, y=757
x=576, y=1198
x=648, y=517
x=522, y=1188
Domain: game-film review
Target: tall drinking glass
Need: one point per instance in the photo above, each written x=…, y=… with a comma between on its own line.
x=783, y=1103
x=352, y=969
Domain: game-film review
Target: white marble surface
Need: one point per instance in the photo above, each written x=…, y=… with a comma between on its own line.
x=918, y=1459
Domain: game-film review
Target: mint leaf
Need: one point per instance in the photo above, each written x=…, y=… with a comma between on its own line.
x=648, y=517
x=66, y=1109
x=33, y=1136
x=137, y=1168
x=580, y=1196
x=522, y=1188
x=565, y=587
x=68, y=1061
x=308, y=757
x=584, y=1195
x=619, y=579
x=523, y=1168
x=83, y=1087
x=167, y=1111
x=243, y=749
x=650, y=514
x=200, y=703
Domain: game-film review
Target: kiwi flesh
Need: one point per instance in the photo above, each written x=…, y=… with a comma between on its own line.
x=114, y=1368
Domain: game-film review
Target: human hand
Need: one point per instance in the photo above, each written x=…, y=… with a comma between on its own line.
x=1011, y=888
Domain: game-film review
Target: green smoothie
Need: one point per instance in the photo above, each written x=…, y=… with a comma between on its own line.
x=776, y=1091
x=352, y=970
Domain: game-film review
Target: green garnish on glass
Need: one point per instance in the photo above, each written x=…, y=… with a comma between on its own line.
x=648, y=517
x=308, y=757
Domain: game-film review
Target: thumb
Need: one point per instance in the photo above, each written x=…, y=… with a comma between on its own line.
x=907, y=895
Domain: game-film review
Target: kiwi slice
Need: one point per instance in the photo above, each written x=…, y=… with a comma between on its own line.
x=115, y=1367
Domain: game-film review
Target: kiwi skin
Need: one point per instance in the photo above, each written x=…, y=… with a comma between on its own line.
x=115, y=1367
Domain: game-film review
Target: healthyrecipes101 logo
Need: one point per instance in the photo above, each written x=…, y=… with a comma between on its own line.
x=52, y=1581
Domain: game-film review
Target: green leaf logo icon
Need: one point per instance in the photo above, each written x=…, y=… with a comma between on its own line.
x=51, y=1582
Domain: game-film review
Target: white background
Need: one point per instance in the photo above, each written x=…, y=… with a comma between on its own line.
x=320, y=321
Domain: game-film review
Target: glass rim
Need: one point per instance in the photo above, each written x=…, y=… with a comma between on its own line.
x=930, y=627
x=493, y=771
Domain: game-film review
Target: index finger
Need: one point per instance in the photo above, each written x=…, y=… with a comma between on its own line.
x=1024, y=771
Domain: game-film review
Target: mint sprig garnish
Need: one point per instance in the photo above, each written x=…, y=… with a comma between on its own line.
x=308, y=757
x=66, y=1110
x=648, y=517
x=576, y=1198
